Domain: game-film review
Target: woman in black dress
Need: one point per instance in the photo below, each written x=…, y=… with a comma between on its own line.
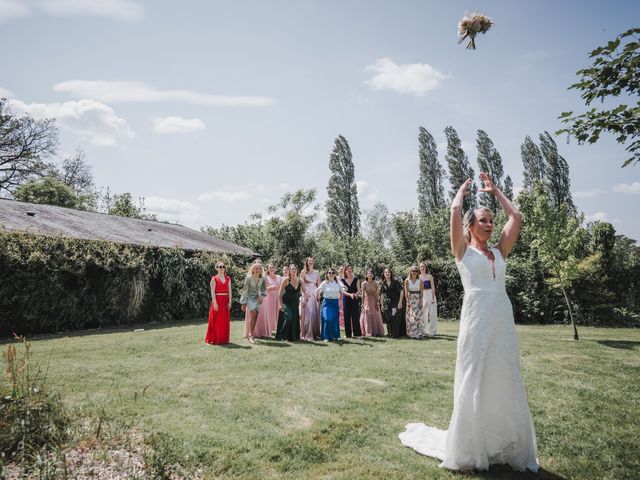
x=391, y=302
x=351, y=303
x=291, y=289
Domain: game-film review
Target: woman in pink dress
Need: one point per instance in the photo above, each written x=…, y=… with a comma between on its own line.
x=340, y=302
x=271, y=305
x=371, y=318
x=310, y=318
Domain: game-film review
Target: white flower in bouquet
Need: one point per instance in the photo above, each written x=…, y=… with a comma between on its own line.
x=472, y=24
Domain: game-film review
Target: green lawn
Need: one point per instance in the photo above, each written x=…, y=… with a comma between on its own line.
x=315, y=410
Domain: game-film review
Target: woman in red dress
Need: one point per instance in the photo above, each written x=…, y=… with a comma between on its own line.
x=219, y=313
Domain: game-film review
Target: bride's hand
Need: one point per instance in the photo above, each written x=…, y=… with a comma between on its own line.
x=489, y=186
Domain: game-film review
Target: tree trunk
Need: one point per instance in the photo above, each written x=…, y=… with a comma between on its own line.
x=573, y=323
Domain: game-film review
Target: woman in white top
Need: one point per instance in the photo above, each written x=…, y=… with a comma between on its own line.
x=429, y=308
x=330, y=290
x=413, y=291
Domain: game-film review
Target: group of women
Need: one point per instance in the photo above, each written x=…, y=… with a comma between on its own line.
x=491, y=422
x=301, y=306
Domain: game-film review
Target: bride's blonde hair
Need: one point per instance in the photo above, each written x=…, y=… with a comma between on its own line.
x=470, y=218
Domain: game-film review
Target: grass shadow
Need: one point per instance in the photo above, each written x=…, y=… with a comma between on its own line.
x=624, y=344
x=374, y=339
x=232, y=346
x=505, y=472
x=271, y=342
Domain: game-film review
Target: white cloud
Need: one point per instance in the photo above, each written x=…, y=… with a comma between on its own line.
x=600, y=217
x=4, y=93
x=119, y=9
x=593, y=192
x=251, y=191
x=365, y=192
x=172, y=210
x=177, y=125
x=413, y=78
x=627, y=187
x=13, y=9
x=92, y=121
x=129, y=91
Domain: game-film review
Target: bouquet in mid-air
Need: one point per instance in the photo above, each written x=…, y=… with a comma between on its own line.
x=472, y=24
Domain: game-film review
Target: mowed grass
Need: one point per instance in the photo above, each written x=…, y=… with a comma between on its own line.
x=333, y=411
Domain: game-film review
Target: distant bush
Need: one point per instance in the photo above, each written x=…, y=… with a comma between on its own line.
x=51, y=284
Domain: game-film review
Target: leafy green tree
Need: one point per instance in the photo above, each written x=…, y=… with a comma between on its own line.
x=558, y=237
x=615, y=72
x=377, y=224
x=459, y=168
x=556, y=171
x=48, y=191
x=508, y=187
x=343, y=210
x=533, y=163
x=25, y=145
x=431, y=174
x=406, y=236
x=433, y=240
x=289, y=224
x=77, y=175
x=489, y=161
x=123, y=205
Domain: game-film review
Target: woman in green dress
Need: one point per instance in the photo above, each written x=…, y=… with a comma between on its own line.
x=291, y=289
x=253, y=292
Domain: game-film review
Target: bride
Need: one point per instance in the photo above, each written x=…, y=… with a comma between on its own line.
x=491, y=422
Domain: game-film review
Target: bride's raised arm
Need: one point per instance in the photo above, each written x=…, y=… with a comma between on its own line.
x=511, y=229
x=458, y=244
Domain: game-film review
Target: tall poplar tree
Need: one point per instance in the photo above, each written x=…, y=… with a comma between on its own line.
x=557, y=172
x=431, y=176
x=532, y=162
x=508, y=187
x=343, y=210
x=459, y=168
x=490, y=162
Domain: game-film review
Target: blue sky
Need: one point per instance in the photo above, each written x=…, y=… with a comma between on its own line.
x=212, y=110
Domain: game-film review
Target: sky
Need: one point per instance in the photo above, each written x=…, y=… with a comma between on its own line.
x=213, y=110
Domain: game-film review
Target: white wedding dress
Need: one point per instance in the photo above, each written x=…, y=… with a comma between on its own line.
x=491, y=422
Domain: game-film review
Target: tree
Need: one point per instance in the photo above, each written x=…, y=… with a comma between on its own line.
x=532, y=162
x=614, y=72
x=508, y=187
x=377, y=226
x=25, y=144
x=459, y=168
x=343, y=211
x=77, y=175
x=558, y=236
x=431, y=176
x=489, y=161
x=556, y=171
x=123, y=206
x=289, y=225
x=406, y=236
x=48, y=191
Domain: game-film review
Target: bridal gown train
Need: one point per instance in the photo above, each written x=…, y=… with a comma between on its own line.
x=491, y=422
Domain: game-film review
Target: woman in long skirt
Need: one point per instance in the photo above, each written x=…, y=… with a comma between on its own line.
x=271, y=304
x=310, y=321
x=291, y=291
x=429, y=308
x=285, y=274
x=351, y=303
x=391, y=303
x=219, y=318
x=330, y=290
x=413, y=288
x=371, y=319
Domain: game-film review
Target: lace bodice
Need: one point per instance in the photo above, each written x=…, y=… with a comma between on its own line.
x=477, y=271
